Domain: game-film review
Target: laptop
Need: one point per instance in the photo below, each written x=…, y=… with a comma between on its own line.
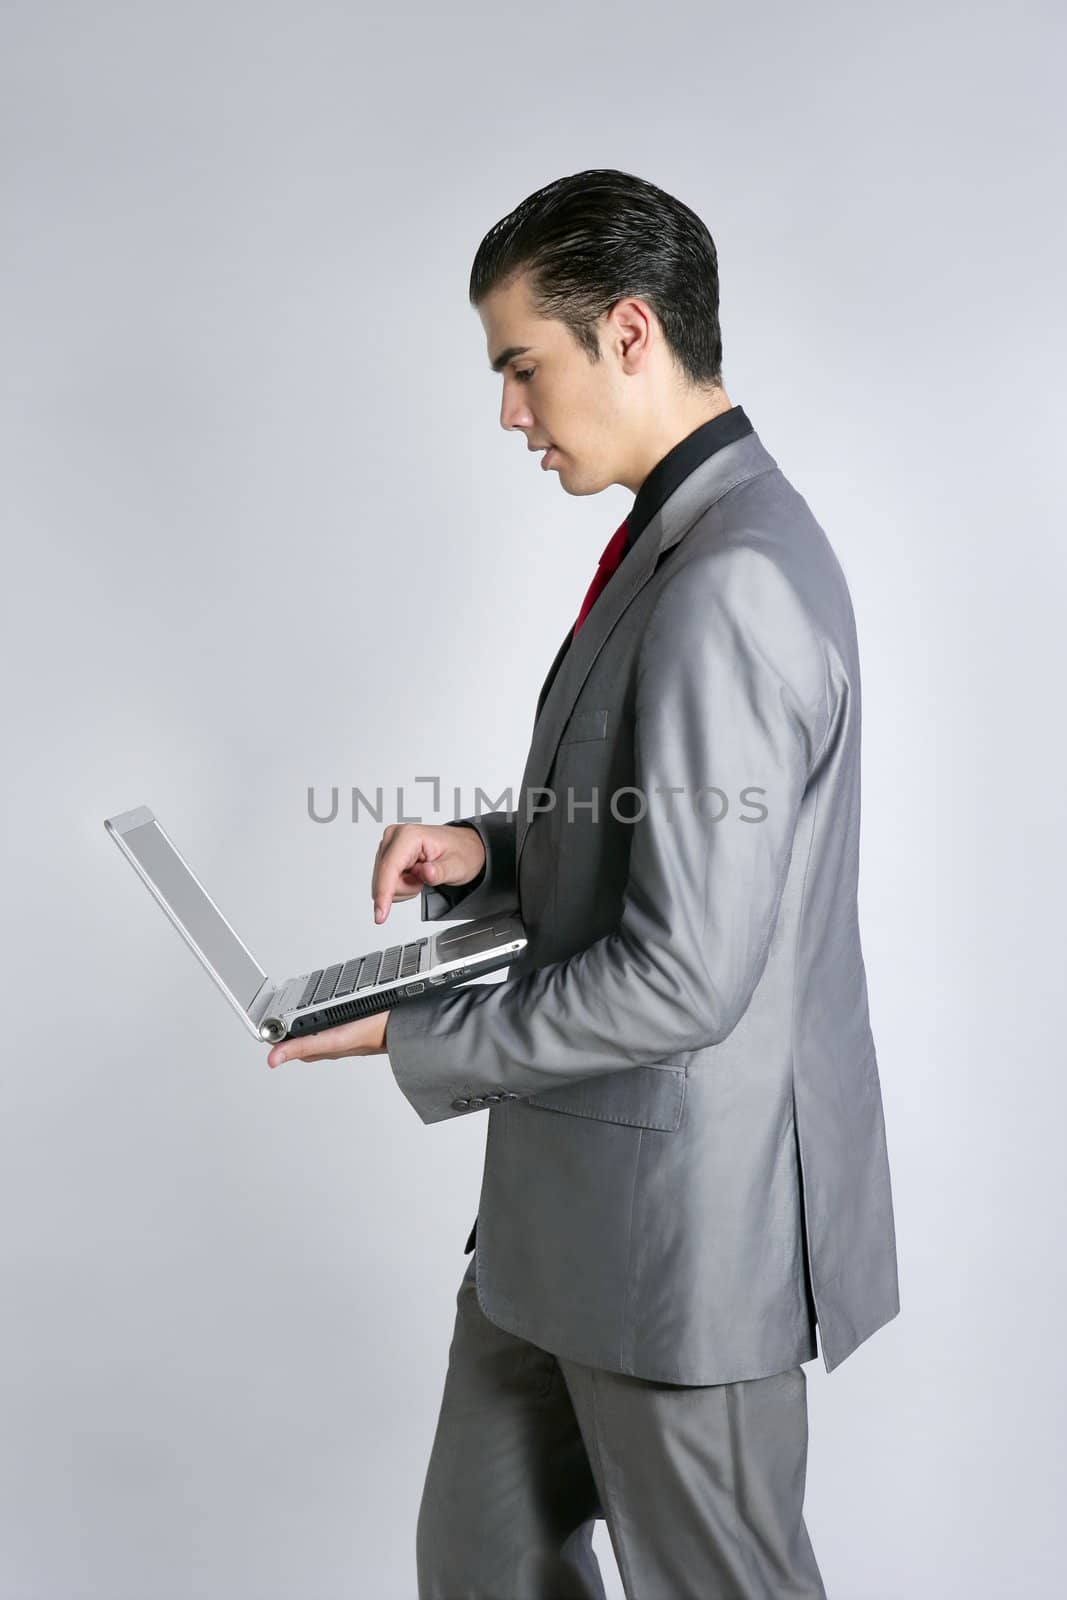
x=326, y=996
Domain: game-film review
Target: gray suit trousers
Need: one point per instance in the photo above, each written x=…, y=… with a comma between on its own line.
x=702, y=1487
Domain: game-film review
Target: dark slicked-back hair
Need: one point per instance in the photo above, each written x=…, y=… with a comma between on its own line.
x=586, y=241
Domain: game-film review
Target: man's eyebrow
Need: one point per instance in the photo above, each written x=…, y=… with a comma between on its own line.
x=507, y=355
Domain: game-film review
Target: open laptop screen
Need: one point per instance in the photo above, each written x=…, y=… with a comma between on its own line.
x=186, y=902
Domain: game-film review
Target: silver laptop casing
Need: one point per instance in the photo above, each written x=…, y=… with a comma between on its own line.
x=267, y=1007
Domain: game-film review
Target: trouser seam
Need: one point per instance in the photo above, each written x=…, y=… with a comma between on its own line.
x=621, y=1554
x=742, y=1543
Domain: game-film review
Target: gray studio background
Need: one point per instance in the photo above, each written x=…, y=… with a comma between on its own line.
x=262, y=530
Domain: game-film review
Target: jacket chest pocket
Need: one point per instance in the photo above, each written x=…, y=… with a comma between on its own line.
x=589, y=765
x=589, y=723
x=641, y=1097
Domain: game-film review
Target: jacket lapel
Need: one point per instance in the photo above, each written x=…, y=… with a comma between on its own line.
x=732, y=465
x=551, y=673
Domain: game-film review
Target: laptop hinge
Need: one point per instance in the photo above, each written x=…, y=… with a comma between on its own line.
x=263, y=1001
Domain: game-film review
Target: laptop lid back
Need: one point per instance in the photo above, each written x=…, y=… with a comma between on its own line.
x=187, y=903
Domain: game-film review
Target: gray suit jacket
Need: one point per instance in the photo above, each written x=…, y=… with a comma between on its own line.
x=685, y=1161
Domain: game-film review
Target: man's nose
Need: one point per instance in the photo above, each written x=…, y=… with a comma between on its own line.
x=514, y=413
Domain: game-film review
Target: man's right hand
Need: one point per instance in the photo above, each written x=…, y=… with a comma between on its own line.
x=412, y=854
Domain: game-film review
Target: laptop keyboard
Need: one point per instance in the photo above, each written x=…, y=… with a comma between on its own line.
x=349, y=977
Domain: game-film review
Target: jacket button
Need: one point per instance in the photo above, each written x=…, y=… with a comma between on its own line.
x=493, y=1098
x=477, y=1100
x=460, y=1105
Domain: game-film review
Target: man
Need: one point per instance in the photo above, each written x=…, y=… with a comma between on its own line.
x=685, y=1164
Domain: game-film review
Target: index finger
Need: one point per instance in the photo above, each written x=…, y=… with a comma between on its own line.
x=392, y=860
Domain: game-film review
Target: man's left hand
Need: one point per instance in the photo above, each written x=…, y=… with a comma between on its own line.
x=365, y=1037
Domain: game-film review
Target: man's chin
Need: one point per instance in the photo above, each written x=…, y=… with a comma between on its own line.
x=576, y=487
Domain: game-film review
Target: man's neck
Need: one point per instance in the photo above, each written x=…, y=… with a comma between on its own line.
x=670, y=430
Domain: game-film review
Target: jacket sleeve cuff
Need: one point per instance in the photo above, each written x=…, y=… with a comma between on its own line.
x=415, y=1056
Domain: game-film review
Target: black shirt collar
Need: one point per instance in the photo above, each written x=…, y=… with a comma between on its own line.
x=672, y=469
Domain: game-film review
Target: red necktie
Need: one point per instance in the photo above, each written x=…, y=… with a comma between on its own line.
x=614, y=551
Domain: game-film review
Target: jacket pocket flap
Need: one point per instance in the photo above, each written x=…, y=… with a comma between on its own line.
x=642, y=1097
